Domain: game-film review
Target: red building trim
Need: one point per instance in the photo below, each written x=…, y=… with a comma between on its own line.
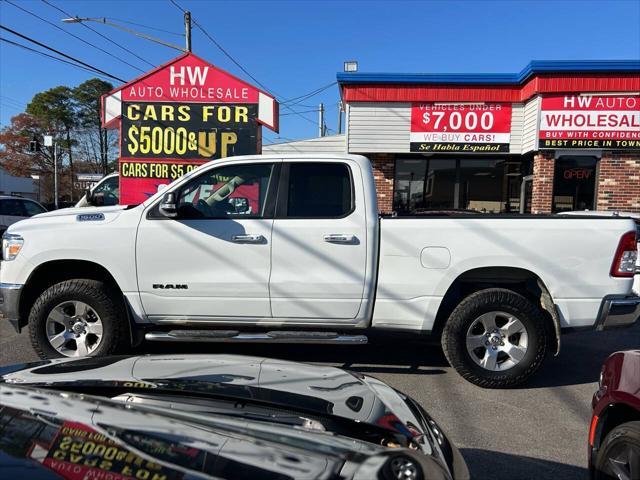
x=543, y=84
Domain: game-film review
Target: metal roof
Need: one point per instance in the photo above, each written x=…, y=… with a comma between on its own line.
x=533, y=68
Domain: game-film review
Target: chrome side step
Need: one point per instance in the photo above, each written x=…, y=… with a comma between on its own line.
x=247, y=337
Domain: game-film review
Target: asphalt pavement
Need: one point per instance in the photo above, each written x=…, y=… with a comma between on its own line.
x=537, y=432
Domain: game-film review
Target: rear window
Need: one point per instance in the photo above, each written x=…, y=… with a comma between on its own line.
x=319, y=190
x=12, y=208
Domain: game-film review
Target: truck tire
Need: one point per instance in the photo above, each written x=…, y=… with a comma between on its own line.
x=495, y=338
x=616, y=458
x=78, y=318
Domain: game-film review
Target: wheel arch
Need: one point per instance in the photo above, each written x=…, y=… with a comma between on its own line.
x=611, y=417
x=519, y=280
x=55, y=271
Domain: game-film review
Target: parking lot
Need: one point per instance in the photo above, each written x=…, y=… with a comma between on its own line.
x=536, y=432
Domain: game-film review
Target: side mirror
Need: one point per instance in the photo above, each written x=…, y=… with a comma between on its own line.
x=97, y=199
x=167, y=207
x=240, y=204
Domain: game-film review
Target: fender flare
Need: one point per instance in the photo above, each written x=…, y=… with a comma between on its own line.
x=547, y=304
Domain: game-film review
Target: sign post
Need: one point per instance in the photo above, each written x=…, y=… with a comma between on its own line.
x=179, y=116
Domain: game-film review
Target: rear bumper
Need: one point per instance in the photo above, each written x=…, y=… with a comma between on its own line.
x=618, y=311
x=10, y=303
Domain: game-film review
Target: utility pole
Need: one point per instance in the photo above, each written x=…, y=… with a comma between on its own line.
x=321, y=120
x=50, y=142
x=187, y=27
x=339, y=117
x=55, y=174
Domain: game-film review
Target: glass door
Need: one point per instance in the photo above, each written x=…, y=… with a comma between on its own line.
x=574, y=183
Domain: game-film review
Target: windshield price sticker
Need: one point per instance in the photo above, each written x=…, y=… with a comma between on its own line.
x=590, y=121
x=472, y=128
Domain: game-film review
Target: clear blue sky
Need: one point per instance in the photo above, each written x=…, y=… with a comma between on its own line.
x=294, y=47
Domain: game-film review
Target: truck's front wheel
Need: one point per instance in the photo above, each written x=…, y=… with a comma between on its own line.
x=495, y=338
x=78, y=318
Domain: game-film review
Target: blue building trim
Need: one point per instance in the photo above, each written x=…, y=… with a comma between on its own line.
x=533, y=68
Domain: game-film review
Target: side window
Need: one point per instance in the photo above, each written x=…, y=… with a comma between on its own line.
x=12, y=207
x=319, y=190
x=235, y=191
x=110, y=189
x=32, y=208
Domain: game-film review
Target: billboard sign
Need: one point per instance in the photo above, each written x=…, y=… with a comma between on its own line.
x=179, y=116
x=590, y=122
x=463, y=128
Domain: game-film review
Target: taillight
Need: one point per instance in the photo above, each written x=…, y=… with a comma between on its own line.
x=624, y=262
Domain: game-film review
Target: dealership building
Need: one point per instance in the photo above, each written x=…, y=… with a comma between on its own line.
x=557, y=136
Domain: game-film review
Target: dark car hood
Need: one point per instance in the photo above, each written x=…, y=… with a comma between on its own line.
x=267, y=447
x=313, y=389
x=78, y=437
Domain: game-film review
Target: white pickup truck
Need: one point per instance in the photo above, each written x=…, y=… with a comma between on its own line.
x=292, y=249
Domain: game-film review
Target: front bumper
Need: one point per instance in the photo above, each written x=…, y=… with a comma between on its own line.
x=10, y=303
x=618, y=311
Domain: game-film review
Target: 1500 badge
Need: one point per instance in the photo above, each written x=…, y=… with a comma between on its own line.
x=171, y=286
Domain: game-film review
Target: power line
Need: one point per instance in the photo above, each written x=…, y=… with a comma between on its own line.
x=220, y=47
x=147, y=26
x=305, y=111
x=73, y=35
x=10, y=100
x=306, y=96
x=230, y=57
x=29, y=39
x=98, y=33
x=47, y=55
x=10, y=107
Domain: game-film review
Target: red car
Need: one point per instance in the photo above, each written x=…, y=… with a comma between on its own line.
x=614, y=435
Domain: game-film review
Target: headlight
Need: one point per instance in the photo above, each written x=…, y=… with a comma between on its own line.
x=11, y=246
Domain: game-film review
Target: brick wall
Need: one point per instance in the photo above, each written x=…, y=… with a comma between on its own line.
x=619, y=182
x=542, y=191
x=383, y=173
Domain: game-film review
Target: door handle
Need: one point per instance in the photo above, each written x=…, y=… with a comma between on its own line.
x=248, y=238
x=339, y=238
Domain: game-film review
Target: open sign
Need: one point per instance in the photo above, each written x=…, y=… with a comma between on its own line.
x=578, y=173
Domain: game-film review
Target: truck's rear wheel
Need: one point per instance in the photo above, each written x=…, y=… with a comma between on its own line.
x=78, y=318
x=495, y=338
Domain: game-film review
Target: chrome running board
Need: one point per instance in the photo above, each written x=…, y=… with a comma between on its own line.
x=247, y=337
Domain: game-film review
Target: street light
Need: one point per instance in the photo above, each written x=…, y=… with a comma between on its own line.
x=103, y=20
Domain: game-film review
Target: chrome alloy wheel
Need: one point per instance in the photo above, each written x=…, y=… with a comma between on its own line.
x=497, y=341
x=74, y=329
x=623, y=462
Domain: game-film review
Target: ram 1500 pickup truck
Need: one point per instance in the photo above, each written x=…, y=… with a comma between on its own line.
x=292, y=249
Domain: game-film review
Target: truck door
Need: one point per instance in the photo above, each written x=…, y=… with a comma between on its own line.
x=211, y=262
x=319, y=246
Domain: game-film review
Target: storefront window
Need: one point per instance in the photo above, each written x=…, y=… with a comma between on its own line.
x=574, y=183
x=490, y=185
x=424, y=184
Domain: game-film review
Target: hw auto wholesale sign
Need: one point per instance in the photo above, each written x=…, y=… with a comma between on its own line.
x=465, y=128
x=179, y=116
x=589, y=121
